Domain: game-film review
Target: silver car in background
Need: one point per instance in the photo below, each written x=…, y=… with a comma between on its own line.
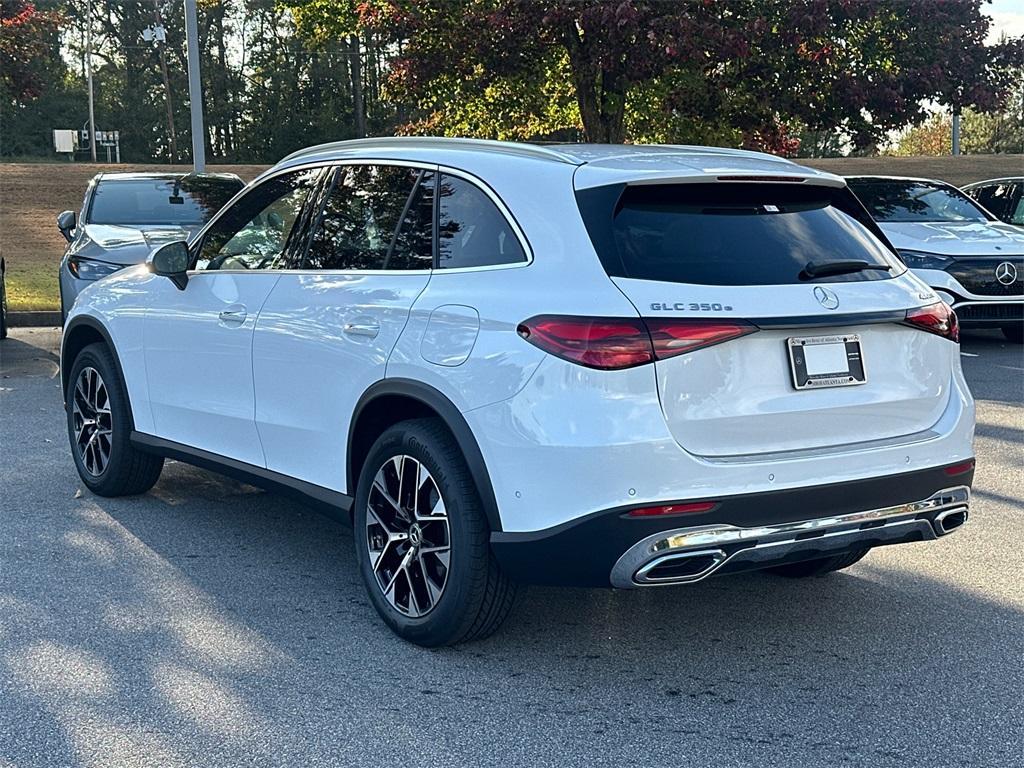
x=125, y=215
x=971, y=259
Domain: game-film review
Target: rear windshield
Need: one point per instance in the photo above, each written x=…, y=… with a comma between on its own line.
x=191, y=200
x=902, y=201
x=733, y=234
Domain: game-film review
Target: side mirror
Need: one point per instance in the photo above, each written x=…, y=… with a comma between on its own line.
x=66, y=222
x=171, y=261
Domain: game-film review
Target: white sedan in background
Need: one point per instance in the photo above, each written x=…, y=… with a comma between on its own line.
x=974, y=261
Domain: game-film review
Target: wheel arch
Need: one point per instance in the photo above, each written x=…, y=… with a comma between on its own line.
x=393, y=400
x=79, y=333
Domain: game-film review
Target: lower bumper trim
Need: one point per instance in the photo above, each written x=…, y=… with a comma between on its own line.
x=687, y=555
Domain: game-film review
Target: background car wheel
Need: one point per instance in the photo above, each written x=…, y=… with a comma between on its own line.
x=1014, y=333
x=99, y=428
x=818, y=567
x=422, y=539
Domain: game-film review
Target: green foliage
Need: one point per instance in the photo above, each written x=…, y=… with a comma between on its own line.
x=809, y=76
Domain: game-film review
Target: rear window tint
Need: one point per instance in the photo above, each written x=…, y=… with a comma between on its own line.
x=730, y=234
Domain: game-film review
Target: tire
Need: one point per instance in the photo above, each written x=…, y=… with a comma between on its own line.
x=818, y=567
x=1014, y=333
x=96, y=393
x=426, y=559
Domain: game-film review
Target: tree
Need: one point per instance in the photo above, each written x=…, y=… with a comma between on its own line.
x=27, y=38
x=751, y=72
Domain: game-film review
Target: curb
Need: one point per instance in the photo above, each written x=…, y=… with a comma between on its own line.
x=34, y=320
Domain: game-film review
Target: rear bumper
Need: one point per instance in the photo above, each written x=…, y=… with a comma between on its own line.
x=740, y=532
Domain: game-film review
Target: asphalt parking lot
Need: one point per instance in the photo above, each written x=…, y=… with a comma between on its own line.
x=209, y=623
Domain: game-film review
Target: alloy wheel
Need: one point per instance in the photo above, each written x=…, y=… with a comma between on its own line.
x=408, y=537
x=90, y=409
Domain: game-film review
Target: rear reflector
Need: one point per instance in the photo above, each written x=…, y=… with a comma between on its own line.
x=673, y=509
x=610, y=343
x=938, y=318
x=960, y=469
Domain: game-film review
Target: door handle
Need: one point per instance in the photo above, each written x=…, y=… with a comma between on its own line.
x=370, y=330
x=233, y=315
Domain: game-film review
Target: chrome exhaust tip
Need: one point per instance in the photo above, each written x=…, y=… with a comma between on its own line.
x=680, y=568
x=948, y=521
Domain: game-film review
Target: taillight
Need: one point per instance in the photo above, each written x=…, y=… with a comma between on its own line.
x=939, y=319
x=674, y=337
x=596, y=342
x=610, y=343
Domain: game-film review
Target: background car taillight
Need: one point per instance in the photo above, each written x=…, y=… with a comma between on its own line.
x=609, y=343
x=939, y=319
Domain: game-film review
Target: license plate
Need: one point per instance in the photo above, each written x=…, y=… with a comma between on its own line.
x=818, y=362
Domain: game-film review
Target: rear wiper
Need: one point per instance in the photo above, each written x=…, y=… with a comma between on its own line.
x=813, y=269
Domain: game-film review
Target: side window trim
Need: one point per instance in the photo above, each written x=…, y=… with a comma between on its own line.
x=321, y=191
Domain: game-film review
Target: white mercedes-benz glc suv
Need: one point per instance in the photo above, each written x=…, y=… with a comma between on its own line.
x=618, y=366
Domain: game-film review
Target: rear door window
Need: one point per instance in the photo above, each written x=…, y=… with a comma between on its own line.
x=472, y=232
x=731, y=234
x=360, y=220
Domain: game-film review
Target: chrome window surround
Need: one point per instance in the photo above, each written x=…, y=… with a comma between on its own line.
x=765, y=544
x=474, y=180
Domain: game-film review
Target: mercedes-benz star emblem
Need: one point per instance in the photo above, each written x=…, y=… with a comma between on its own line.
x=826, y=298
x=1006, y=273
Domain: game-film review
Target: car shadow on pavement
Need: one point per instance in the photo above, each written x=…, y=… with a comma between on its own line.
x=238, y=617
x=21, y=358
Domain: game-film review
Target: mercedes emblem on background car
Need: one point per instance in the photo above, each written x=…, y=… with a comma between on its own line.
x=1006, y=273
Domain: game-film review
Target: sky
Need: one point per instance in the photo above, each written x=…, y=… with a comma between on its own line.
x=1007, y=17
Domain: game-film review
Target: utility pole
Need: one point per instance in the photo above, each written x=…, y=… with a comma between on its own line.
x=956, y=130
x=195, y=89
x=160, y=41
x=88, y=68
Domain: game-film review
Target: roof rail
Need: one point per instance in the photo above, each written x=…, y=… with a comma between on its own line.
x=435, y=142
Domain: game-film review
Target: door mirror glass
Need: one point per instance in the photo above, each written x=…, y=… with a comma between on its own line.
x=171, y=261
x=66, y=223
